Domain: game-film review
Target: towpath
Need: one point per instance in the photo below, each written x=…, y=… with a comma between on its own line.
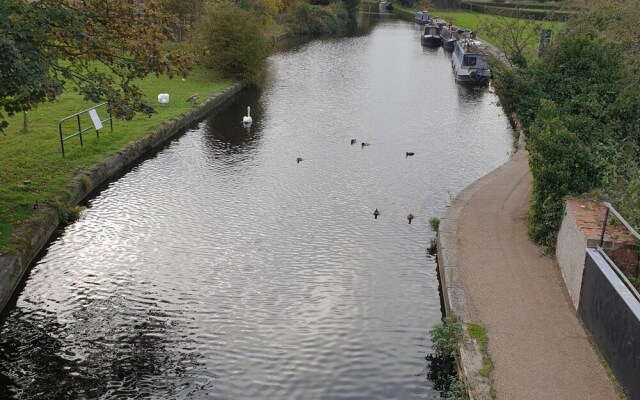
x=539, y=347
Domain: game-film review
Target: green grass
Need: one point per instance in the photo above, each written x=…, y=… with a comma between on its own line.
x=479, y=333
x=36, y=156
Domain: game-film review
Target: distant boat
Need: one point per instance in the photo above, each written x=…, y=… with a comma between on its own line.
x=450, y=34
x=431, y=35
x=422, y=17
x=470, y=62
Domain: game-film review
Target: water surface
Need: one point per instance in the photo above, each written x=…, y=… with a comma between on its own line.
x=221, y=268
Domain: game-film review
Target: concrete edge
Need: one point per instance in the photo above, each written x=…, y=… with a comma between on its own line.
x=454, y=296
x=31, y=237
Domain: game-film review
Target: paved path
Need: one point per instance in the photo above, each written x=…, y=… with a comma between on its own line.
x=538, y=346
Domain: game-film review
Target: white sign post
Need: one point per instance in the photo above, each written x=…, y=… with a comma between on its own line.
x=95, y=118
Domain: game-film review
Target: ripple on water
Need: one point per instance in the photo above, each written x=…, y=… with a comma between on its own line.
x=223, y=269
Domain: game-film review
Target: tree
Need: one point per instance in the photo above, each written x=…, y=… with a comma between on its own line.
x=231, y=42
x=513, y=34
x=99, y=47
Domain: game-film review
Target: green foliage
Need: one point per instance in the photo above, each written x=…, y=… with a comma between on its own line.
x=514, y=33
x=52, y=44
x=560, y=165
x=446, y=336
x=434, y=223
x=458, y=389
x=408, y=3
x=579, y=107
x=479, y=333
x=442, y=370
x=305, y=18
x=231, y=42
x=351, y=6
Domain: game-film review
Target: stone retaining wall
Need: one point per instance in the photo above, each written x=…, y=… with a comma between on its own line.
x=31, y=238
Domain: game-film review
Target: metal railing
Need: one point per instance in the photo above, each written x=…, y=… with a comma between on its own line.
x=620, y=247
x=80, y=131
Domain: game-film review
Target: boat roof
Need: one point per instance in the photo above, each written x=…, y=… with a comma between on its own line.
x=472, y=46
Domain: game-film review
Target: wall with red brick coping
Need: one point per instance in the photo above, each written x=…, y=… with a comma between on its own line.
x=581, y=228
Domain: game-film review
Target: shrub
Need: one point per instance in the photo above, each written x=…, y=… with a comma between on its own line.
x=560, y=165
x=231, y=42
x=579, y=108
x=446, y=336
x=306, y=18
x=442, y=369
x=434, y=223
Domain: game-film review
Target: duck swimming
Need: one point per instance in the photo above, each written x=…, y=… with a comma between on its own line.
x=410, y=217
x=353, y=141
x=365, y=144
x=409, y=153
x=299, y=159
x=376, y=213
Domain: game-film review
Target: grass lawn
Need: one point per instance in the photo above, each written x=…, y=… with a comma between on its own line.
x=36, y=155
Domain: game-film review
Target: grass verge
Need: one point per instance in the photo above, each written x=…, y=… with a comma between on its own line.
x=479, y=333
x=32, y=166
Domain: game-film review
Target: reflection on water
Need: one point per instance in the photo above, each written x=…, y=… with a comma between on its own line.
x=226, y=136
x=223, y=269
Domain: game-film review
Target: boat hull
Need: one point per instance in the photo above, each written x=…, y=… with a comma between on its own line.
x=473, y=79
x=448, y=44
x=431, y=40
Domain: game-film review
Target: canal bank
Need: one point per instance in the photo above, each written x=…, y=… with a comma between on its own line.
x=493, y=274
x=32, y=237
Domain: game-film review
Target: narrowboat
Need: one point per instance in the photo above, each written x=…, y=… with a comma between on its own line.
x=450, y=34
x=470, y=62
x=422, y=17
x=431, y=35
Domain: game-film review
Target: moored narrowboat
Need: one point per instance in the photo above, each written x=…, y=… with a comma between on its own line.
x=431, y=35
x=470, y=62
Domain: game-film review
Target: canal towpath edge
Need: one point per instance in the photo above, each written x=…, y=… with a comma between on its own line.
x=493, y=274
x=32, y=237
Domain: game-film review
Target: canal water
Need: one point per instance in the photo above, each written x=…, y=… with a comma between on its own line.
x=221, y=268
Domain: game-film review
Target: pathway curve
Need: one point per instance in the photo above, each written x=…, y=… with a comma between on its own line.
x=537, y=343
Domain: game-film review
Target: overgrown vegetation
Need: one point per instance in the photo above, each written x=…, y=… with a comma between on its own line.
x=579, y=106
x=230, y=40
x=442, y=363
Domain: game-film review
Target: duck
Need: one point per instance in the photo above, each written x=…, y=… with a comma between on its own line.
x=193, y=98
x=365, y=144
x=299, y=159
x=410, y=217
x=376, y=213
x=353, y=141
x=247, y=120
x=410, y=153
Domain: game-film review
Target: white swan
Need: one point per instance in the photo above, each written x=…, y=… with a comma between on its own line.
x=247, y=120
x=163, y=98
